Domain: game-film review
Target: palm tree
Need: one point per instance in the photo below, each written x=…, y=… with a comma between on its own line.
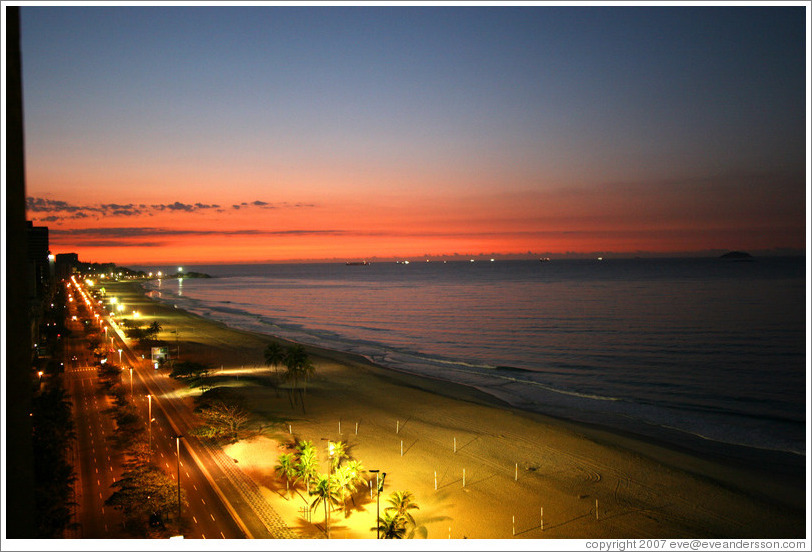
x=401, y=502
x=326, y=491
x=339, y=452
x=286, y=467
x=349, y=475
x=274, y=356
x=392, y=525
x=346, y=483
x=307, y=463
x=299, y=368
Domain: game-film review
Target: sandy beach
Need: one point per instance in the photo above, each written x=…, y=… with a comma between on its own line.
x=511, y=469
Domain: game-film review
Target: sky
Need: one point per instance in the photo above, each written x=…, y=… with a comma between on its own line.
x=204, y=134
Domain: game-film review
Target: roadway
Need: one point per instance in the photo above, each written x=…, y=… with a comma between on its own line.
x=98, y=464
x=204, y=516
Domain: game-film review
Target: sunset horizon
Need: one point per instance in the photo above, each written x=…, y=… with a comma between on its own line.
x=253, y=134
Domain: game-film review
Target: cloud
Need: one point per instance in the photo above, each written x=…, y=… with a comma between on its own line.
x=111, y=243
x=62, y=210
x=266, y=205
x=39, y=205
x=177, y=206
x=146, y=231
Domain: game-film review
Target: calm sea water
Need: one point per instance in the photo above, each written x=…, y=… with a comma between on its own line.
x=702, y=347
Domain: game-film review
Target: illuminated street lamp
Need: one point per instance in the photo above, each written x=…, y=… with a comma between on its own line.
x=177, y=440
x=379, y=488
x=330, y=452
x=149, y=397
x=119, y=357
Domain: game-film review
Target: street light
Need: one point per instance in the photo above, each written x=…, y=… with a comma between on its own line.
x=150, y=424
x=177, y=440
x=119, y=357
x=379, y=488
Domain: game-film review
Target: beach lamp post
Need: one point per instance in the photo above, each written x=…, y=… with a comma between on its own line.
x=377, y=517
x=330, y=450
x=330, y=453
x=379, y=487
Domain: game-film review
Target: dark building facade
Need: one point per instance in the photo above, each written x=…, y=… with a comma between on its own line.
x=19, y=486
x=39, y=264
x=65, y=265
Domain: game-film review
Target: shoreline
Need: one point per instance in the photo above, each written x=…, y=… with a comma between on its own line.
x=688, y=413
x=731, y=469
x=657, y=447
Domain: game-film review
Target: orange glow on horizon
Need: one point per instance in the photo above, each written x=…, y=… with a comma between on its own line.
x=340, y=224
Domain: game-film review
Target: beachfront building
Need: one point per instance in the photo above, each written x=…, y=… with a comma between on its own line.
x=66, y=265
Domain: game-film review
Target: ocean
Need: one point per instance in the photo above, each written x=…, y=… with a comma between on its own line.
x=700, y=349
